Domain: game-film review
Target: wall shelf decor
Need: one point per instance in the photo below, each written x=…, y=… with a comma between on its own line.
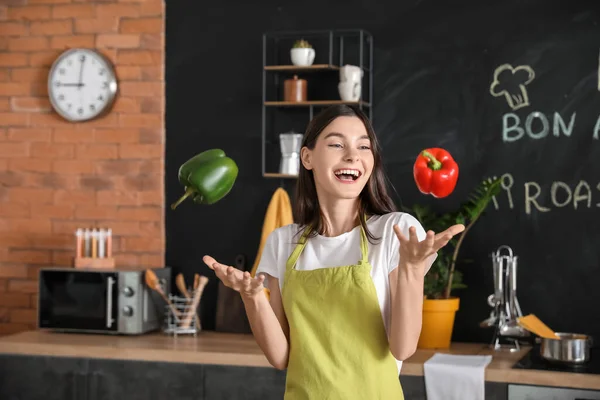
x=322, y=68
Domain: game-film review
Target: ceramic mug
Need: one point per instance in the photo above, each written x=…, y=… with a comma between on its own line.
x=302, y=56
x=351, y=73
x=349, y=91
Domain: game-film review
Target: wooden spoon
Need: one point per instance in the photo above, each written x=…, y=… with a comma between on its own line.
x=202, y=281
x=180, y=282
x=154, y=284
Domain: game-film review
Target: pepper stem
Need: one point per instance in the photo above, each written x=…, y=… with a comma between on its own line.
x=188, y=192
x=433, y=163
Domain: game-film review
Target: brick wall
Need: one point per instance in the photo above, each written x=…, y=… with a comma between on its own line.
x=56, y=176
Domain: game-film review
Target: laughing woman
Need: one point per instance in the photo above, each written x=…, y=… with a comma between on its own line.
x=345, y=280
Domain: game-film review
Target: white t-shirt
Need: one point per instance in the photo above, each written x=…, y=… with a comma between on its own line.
x=322, y=252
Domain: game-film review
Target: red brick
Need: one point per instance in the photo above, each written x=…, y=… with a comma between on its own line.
x=150, y=73
x=141, y=89
x=95, y=212
x=137, y=244
x=14, y=210
x=73, y=11
x=28, y=43
x=29, y=13
x=97, y=151
x=117, y=41
x=152, y=41
x=140, y=57
x=72, y=136
x=100, y=25
x=76, y=167
x=4, y=104
x=117, y=10
x=118, y=167
x=13, y=59
x=116, y=198
x=9, y=329
x=14, y=89
x=139, y=213
x=52, y=150
x=30, y=164
x=30, y=104
x=128, y=73
x=73, y=197
x=57, y=27
x=14, y=29
x=152, y=9
x=153, y=260
x=67, y=42
x=140, y=120
x=126, y=105
x=43, y=58
x=62, y=258
x=29, y=134
x=150, y=135
x=30, y=225
x=128, y=261
x=12, y=271
x=23, y=316
x=54, y=211
x=39, y=74
x=14, y=149
x=116, y=135
x=132, y=151
x=141, y=25
x=31, y=195
x=30, y=256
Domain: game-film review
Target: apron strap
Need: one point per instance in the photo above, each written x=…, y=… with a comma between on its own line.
x=364, y=246
x=291, y=261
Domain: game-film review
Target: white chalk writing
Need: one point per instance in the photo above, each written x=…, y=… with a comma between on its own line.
x=512, y=130
x=561, y=194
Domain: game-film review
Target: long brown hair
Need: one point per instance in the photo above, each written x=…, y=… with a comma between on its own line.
x=374, y=198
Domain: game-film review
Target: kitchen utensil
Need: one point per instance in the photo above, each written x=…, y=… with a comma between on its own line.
x=294, y=90
x=231, y=314
x=534, y=325
x=153, y=283
x=569, y=348
x=505, y=305
x=290, y=144
x=202, y=281
x=180, y=282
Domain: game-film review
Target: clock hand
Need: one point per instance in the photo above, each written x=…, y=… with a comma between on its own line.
x=81, y=72
x=73, y=84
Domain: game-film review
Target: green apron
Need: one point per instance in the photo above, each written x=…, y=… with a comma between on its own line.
x=338, y=344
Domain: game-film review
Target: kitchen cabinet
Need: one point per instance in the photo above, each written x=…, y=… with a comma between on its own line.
x=243, y=383
x=414, y=388
x=143, y=380
x=41, y=377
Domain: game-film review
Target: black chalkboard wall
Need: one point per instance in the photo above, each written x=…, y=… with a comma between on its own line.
x=434, y=66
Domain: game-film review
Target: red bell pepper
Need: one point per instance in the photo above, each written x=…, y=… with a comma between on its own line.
x=435, y=172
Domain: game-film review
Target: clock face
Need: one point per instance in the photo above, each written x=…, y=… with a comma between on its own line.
x=81, y=84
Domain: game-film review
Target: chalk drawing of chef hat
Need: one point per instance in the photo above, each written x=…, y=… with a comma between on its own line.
x=510, y=82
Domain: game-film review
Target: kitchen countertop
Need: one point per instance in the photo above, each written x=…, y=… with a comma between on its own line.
x=242, y=350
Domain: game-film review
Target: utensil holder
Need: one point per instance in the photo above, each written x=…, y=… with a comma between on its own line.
x=173, y=324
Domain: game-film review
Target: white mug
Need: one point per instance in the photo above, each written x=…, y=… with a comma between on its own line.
x=349, y=91
x=302, y=56
x=351, y=73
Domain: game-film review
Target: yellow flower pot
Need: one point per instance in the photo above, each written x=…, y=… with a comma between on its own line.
x=438, y=323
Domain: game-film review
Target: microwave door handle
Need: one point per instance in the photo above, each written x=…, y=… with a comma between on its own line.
x=109, y=305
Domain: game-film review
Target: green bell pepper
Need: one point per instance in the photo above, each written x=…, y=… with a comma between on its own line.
x=208, y=177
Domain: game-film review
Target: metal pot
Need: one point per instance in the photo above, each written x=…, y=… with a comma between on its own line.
x=571, y=348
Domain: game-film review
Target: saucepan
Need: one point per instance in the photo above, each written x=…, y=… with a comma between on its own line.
x=570, y=348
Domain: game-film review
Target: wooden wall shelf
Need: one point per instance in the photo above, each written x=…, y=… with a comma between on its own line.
x=297, y=68
x=276, y=175
x=334, y=48
x=313, y=103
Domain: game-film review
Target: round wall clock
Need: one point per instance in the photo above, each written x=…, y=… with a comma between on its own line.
x=82, y=85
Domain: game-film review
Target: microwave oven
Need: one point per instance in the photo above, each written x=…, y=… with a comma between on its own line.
x=115, y=301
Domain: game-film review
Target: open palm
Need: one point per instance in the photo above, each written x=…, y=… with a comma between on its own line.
x=414, y=252
x=238, y=280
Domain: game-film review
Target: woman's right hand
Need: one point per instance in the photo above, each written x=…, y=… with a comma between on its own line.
x=233, y=278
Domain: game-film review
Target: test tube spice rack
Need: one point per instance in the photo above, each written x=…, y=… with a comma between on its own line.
x=94, y=248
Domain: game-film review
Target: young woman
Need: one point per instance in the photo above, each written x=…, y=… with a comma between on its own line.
x=346, y=280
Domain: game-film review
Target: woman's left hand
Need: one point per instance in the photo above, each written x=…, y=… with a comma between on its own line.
x=414, y=252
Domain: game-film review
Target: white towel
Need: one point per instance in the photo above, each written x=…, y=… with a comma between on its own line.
x=455, y=377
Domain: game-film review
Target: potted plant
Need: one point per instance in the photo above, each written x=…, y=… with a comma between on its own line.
x=302, y=53
x=439, y=307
